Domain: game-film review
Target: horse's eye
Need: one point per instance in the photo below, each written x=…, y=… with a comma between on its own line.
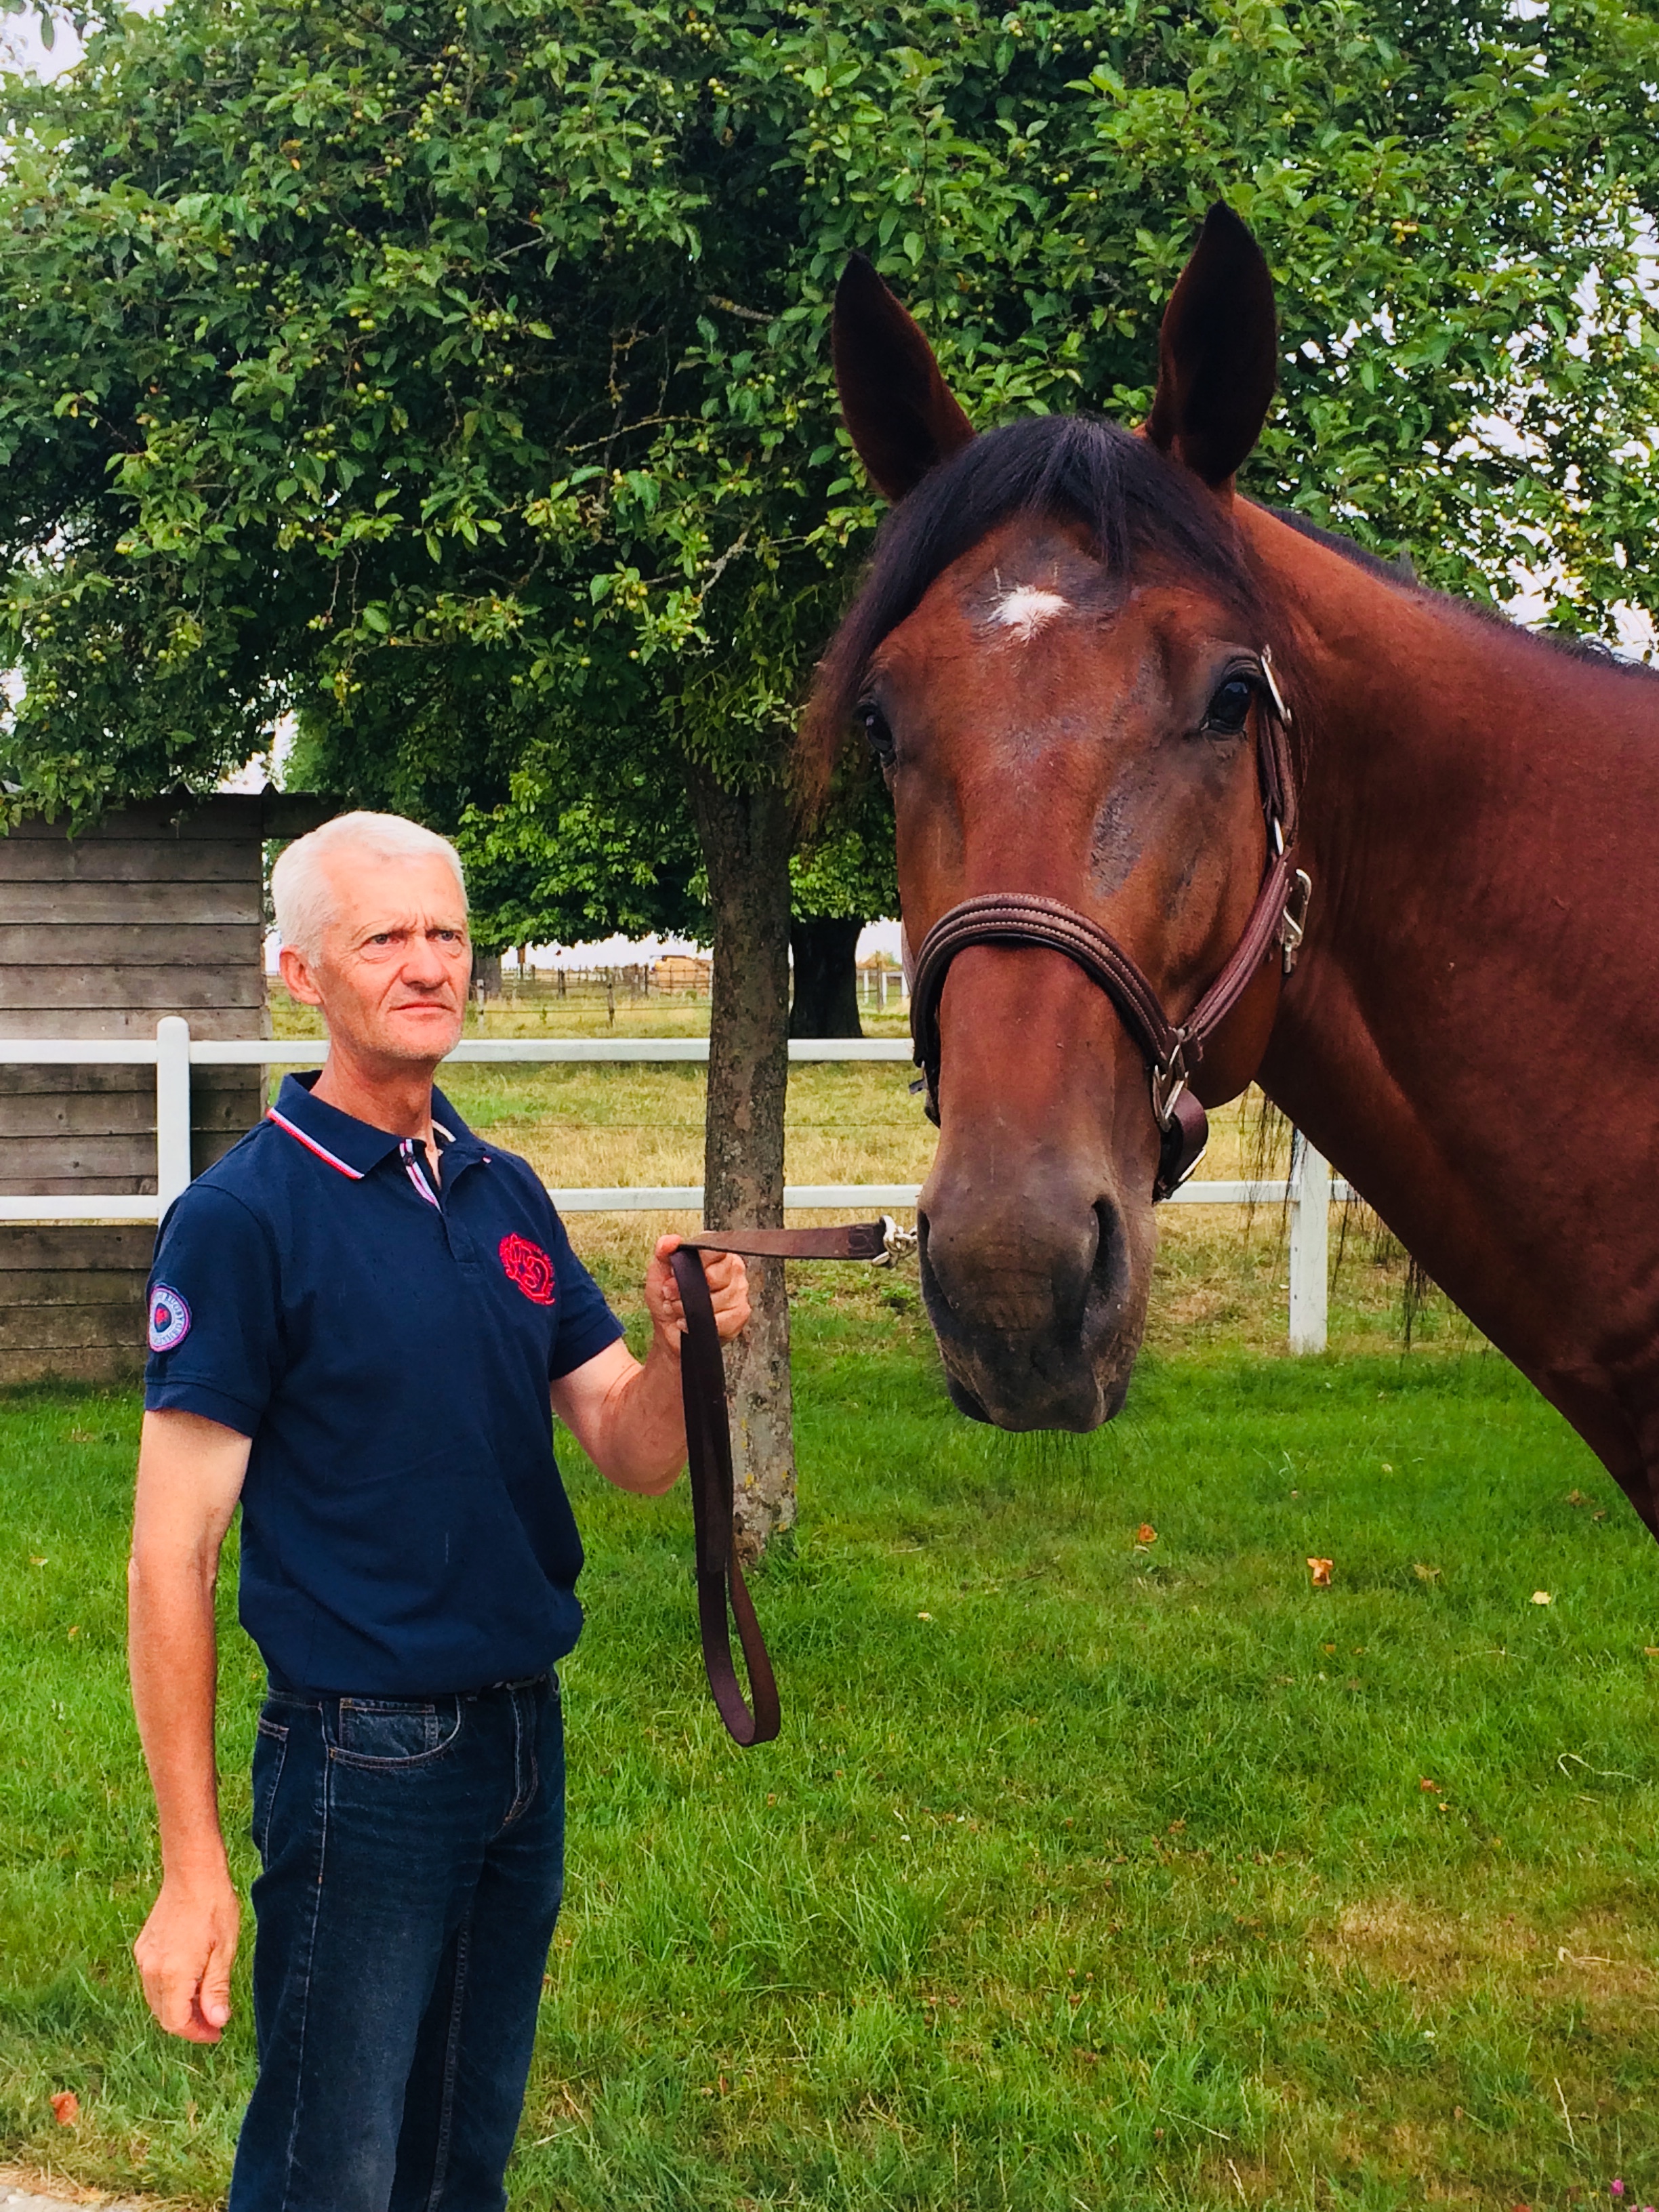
x=1228, y=710
x=876, y=729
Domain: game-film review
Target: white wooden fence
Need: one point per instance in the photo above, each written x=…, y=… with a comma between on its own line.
x=1308, y=1192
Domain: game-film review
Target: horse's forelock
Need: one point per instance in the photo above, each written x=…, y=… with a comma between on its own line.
x=1132, y=500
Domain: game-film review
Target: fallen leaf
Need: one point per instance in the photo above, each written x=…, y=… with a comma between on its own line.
x=76, y=1630
x=35, y=1561
x=1426, y=1574
x=1388, y=1467
x=1650, y=1650
x=1321, y=1572
x=1146, y=1533
x=1426, y=1785
x=1542, y=1597
x=924, y=1616
x=65, y=2108
x=1576, y=1498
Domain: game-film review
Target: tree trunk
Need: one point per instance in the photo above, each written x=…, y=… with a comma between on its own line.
x=826, y=978
x=745, y=838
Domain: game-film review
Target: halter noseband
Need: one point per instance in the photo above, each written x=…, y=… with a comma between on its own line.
x=1172, y=1050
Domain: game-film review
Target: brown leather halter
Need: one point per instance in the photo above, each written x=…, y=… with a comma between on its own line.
x=1172, y=1050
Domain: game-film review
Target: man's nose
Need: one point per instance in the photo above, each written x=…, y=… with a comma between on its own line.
x=425, y=965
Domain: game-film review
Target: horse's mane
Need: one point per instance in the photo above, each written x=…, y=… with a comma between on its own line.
x=1402, y=573
x=1133, y=502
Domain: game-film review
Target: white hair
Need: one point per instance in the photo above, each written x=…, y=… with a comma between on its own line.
x=300, y=887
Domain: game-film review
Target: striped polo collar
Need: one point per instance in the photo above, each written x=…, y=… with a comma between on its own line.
x=354, y=1148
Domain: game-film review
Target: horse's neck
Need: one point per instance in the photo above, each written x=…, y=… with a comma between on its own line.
x=1477, y=985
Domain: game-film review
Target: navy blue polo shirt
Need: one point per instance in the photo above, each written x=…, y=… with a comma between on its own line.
x=387, y=1345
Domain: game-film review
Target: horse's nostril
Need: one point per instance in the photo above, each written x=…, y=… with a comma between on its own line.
x=1107, y=1275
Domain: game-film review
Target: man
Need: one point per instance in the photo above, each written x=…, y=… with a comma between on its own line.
x=356, y=1319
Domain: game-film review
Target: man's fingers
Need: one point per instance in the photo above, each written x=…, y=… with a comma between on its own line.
x=215, y=1999
x=171, y=1994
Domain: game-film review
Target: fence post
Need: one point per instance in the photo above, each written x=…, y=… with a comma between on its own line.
x=1310, y=1229
x=172, y=1108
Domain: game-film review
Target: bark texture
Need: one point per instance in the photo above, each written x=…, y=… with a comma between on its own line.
x=745, y=838
x=826, y=1001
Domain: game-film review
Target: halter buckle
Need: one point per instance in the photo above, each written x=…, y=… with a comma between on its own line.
x=1293, y=923
x=1168, y=1081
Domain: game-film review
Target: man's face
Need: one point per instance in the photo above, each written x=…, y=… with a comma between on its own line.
x=392, y=971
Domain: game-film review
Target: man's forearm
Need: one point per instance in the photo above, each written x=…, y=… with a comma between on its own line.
x=174, y=1657
x=640, y=1440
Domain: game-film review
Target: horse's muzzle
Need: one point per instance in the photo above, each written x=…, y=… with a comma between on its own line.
x=1037, y=1301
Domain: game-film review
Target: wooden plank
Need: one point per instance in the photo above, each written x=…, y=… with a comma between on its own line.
x=74, y=905
x=53, y=1158
x=38, y=861
x=209, y=1146
x=112, y=1186
x=76, y=1114
x=52, y=1328
x=122, y=1245
x=136, y=944
x=93, y=1081
x=106, y=1363
x=73, y=1286
x=118, y=1022
x=155, y=990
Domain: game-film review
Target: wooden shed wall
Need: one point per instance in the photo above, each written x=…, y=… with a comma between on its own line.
x=158, y=910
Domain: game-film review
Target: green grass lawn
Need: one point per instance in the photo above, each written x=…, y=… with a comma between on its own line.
x=1088, y=1873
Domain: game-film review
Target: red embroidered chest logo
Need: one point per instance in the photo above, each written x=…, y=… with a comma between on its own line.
x=529, y=1267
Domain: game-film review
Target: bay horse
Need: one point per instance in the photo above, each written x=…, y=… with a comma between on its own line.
x=1084, y=661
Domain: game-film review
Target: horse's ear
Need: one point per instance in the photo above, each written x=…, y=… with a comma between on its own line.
x=1217, y=355
x=893, y=401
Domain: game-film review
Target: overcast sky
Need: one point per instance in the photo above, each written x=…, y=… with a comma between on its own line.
x=22, y=47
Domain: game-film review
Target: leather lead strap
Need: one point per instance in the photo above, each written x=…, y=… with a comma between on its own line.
x=719, y=1578
x=708, y=1454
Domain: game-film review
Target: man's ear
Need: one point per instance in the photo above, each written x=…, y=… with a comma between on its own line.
x=1217, y=355
x=893, y=401
x=297, y=975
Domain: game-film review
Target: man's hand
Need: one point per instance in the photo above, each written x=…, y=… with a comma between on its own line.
x=728, y=1292
x=184, y=1951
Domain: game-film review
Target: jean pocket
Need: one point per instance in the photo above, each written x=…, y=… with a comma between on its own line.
x=270, y=1752
x=395, y=1732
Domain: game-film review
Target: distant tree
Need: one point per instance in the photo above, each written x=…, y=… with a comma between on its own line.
x=454, y=375
x=843, y=878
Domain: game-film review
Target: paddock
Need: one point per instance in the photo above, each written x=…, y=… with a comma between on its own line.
x=1105, y=1858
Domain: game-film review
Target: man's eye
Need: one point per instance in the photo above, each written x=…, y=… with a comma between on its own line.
x=1230, y=708
x=876, y=730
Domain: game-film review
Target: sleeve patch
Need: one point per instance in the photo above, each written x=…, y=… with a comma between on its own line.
x=169, y=1318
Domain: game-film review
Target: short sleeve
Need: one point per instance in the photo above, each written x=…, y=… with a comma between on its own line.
x=215, y=1312
x=586, y=1323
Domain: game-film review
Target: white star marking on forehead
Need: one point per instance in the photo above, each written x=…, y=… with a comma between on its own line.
x=1026, y=608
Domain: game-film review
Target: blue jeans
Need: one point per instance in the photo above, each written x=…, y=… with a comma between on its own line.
x=413, y=1861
